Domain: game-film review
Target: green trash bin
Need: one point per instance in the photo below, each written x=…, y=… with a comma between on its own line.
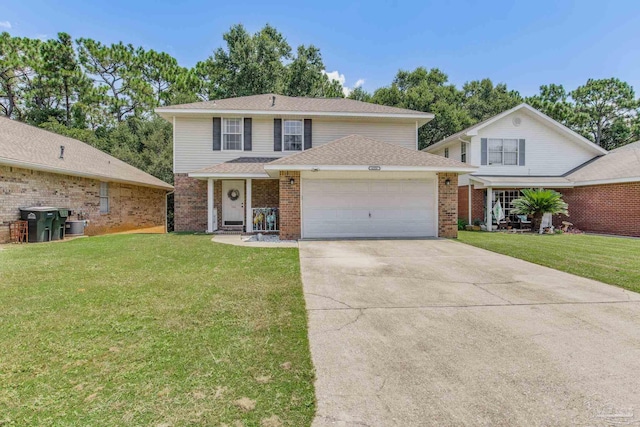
x=58, y=224
x=40, y=220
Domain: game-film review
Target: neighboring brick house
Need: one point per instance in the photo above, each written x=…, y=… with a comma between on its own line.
x=41, y=168
x=523, y=148
x=309, y=168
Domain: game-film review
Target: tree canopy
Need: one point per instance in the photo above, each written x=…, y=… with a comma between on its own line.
x=105, y=94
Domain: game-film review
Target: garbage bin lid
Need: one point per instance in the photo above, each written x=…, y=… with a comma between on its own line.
x=39, y=209
x=63, y=213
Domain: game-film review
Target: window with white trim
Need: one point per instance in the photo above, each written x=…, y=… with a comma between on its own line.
x=502, y=151
x=232, y=134
x=104, y=197
x=446, y=152
x=463, y=152
x=506, y=197
x=292, y=135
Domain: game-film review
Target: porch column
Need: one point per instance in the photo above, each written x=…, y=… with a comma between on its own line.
x=489, y=205
x=248, y=208
x=212, y=222
x=470, y=205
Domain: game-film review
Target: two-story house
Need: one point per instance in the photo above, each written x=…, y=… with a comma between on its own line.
x=523, y=148
x=309, y=168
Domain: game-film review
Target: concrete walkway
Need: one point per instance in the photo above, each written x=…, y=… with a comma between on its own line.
x=435, y=332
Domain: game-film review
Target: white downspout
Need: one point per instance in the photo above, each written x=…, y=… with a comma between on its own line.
x=470, y=204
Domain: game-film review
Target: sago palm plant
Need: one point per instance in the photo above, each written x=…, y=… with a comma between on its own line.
x=538, y=202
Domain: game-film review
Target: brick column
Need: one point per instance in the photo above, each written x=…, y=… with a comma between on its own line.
x=289, y=205
x=448, y=205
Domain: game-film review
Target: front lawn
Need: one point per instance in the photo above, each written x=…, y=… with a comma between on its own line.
x=610, y=260
x=153, y=330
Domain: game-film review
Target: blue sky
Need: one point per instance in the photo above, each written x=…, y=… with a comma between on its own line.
x=524, y=44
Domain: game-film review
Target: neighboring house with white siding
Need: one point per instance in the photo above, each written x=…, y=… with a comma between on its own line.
x=523, y=148
x=310, y=168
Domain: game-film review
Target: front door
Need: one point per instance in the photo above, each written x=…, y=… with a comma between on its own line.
x=232, y=203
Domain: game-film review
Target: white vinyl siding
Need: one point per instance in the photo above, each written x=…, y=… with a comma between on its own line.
x=232, y=134
x=292, y=135
x=194, y=138
x=104, y=197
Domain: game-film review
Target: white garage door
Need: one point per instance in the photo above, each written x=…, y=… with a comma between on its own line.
x=368, y=208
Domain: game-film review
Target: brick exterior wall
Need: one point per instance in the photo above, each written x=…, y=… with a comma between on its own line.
x=607, y=209
x=265, y=193
x=448, y=205
x=289, y=205
x=190, y=203
x=477, y=203
x=130, y=206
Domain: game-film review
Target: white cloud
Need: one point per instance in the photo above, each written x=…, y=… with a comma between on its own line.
x=5, y=24
x=340, y=78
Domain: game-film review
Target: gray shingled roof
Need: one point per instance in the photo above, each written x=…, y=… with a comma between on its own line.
x=621, y=163
x=27, y=146
x=293, y=104
x=241, y=165
x=358, y=150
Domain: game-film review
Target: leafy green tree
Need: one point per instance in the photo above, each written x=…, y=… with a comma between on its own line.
x=483, y=100
x=429, y=91
x=603, y=107
x=538, y=202
x=250, y=64
x=305, y=77
x=359, y=94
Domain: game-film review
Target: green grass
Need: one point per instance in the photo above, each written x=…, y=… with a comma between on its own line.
x=152, y=330
x=610, y=260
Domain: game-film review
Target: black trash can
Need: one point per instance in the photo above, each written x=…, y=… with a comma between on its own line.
x=40, y=221
x=58, y=230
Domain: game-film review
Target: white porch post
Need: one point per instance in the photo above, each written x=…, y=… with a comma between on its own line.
x=489, y=207
x=470, y=205
x=211, y=217
x=249, y=210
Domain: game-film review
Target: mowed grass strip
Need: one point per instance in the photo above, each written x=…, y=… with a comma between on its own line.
x=152, y=330
x=612, y=260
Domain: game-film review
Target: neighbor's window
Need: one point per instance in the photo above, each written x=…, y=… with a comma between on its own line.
x=104, y=197
x=463, y=152
x=446, y=152
x=232, y=134
x=292, y=135
x=502, y=151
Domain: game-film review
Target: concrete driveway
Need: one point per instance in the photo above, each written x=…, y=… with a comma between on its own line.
x=435, y=332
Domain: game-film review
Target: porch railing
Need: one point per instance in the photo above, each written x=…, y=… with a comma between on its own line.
x=266, y=220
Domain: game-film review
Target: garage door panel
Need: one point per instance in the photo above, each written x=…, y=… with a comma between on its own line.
x=368, y=208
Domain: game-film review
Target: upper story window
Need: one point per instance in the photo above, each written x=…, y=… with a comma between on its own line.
x=292, y=135
x=463, y=152
x=104, y=197
x=446, y=152
x=502, y=151
x=232, y=134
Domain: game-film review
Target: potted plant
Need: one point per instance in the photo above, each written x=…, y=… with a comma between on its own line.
x=538, y=202
x=477, y=224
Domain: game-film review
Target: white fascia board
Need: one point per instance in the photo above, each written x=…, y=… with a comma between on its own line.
x=180, y=111
x=227, y=175
x=366, y=168
x=607, y=181
x=96, y=176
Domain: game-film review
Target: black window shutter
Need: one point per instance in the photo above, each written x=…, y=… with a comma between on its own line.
x=483, y=148
x=277, y=134
x=217, y=133
x=521, y=152
x=247, y=134
x=307, y=134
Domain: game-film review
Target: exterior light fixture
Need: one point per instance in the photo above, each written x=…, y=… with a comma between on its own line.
x=315, y=169
x=447, y=181
x=292, y=181
x=374, y=168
